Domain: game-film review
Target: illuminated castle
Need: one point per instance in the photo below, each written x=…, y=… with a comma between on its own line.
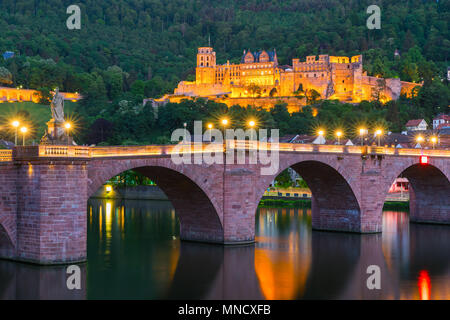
x=259, y=75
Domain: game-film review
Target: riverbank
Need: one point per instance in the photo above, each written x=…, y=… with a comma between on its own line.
x=272, y=201
x=130, y=193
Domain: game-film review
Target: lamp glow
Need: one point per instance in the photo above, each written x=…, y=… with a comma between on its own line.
x=16, y=124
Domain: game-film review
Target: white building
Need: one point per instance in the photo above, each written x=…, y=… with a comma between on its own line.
x=441, y=119
x=416, y=125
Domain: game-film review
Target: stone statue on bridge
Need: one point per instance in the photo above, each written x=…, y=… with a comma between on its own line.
x=57, y=106
x=56, y=133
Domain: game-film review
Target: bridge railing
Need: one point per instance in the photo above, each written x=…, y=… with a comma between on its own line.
x=51, y=151
x=127, y=151
x=6, y=155
x=44, y=151
x=298, y=147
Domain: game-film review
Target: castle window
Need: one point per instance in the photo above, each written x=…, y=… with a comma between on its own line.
x=348, y=67
x=201, y=64
x=342, y=81
x=314, y=75
x=322, y=75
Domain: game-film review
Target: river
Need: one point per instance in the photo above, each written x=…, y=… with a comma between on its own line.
x=134, y=252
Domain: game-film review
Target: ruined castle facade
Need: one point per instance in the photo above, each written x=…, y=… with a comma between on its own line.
x=332, y=77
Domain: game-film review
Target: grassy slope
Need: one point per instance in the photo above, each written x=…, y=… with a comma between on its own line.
x=39, y=115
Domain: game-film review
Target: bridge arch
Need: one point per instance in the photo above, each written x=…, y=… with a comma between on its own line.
x=429, y=189
x=190, y=192
x=335, y=204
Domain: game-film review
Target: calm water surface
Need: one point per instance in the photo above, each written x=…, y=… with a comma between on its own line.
x=134, y=252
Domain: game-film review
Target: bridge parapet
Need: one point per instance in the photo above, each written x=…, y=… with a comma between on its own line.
x=84, y=152
x=6, y=155
x=43, y=151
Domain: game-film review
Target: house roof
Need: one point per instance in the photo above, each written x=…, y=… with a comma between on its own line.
x=256, y=54
x=442, y=116
x=414, y=123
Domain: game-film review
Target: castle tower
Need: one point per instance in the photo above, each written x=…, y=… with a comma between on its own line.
x=206, y=65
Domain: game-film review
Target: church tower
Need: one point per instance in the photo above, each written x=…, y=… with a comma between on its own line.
x=206, y=65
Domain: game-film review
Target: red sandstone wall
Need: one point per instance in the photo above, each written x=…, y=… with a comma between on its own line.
x=51, y=217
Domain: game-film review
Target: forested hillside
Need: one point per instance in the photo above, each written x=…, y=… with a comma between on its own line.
x=157, y=39
x=127, y=50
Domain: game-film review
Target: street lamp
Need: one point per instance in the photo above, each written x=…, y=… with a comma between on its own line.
x=252, y=125
x=16, y=125
x=339, y=135
x=24, y=131
x=210, y=126
x=362, y=132
x=378, y=133
x=224, y=124
x=420, y=139
x=68, y=126
x=433, y=140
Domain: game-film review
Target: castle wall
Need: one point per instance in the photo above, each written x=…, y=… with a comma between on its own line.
x=18, y=95
x=294, y=104
x=333, y=77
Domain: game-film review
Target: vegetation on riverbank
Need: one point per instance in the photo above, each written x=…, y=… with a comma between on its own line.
x=283, y=203
x=396, y=205
x=306, y=203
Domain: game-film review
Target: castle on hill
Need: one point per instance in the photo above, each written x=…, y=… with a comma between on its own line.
x=333, y=77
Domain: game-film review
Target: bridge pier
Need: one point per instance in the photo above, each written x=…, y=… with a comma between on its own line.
x=51, y=213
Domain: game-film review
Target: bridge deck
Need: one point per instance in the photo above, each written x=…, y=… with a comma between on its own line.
x=82, y=152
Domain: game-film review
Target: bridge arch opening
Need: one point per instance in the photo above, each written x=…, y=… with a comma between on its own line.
x=197, y=215
x=428, y=190
x=334, y=205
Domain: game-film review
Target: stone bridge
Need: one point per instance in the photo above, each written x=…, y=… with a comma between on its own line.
x=44, y=190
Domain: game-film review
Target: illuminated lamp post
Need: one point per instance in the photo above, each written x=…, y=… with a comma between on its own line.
x=378, y=133
x=339, y=135
x=68, y=126
x=362, y=132
x=210, y=127
x=24, y=131
x=252, y=125
x=224, y=125
x=420, y=139
x=16, y=125
x=433, y=141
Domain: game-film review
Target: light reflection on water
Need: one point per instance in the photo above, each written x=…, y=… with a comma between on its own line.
x=134, y=253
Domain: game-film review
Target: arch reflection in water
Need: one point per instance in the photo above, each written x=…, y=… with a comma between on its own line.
x=134, y=252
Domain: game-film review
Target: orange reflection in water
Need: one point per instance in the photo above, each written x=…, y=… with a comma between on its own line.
x=424, y=285
x=282, y=268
